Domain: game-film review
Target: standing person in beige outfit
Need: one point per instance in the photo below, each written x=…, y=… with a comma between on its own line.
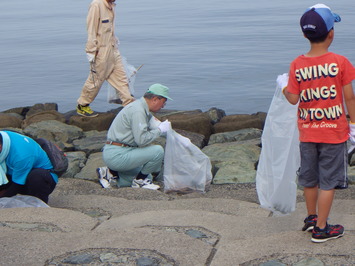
x=104, y=57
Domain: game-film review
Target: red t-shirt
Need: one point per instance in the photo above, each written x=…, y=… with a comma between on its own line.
x=319, y=83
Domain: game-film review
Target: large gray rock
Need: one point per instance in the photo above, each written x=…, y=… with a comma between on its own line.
x=234, y=162
x=42, y=116
x=77, y=160
x=88, y=172
x=195, y=138
x=239, y=121
x=100, y=123
x=53, y=130
x=40, y=107
x=238, y=135
x=9, y=120
x=93, y=142
x=193, y=121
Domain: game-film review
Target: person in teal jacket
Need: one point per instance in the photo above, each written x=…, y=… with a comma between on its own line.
x=24, y=167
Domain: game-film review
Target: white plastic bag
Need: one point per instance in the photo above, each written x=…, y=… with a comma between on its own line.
x=131, y=71
x=186, y=168
x=21, y=201
x=279, y=158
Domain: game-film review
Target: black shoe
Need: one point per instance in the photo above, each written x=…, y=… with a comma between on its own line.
x=329, y=232
x=310, y=223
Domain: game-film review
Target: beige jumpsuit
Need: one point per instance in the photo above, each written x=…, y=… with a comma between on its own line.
x=108, y=64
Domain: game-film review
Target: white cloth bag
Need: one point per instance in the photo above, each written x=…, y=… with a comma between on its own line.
x=112, y=94
x=279, y=158
x=186, y=167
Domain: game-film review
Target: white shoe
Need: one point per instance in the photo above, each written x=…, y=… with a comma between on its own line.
x=105, y=176
x=144, y=183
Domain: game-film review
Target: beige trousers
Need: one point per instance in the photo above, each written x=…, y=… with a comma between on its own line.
x=107, y=66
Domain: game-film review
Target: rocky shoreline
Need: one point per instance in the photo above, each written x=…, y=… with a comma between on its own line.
x=232, y=142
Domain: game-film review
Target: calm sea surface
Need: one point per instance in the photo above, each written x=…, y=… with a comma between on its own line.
x=210, y=53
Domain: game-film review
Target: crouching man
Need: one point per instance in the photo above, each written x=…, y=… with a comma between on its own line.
x=24, y=167
x=127, y=152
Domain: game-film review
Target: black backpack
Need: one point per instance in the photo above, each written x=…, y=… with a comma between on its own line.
x=57, y=157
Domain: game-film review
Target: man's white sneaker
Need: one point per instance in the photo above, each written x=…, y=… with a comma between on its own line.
x=105, y=176
x=144, y=183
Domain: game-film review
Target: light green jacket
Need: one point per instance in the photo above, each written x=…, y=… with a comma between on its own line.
x=132, y=125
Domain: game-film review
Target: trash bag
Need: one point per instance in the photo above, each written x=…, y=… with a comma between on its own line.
x=131, y=71
x=21, y=201
x=279, y=159
x=186, y=168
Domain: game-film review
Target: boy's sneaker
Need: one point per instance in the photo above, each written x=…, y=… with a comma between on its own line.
x=144, y=183
x=85, y=111
x=329, y=232
x=309, y=223
x=104, y=175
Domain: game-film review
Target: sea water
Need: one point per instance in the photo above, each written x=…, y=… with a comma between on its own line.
x=211, y=53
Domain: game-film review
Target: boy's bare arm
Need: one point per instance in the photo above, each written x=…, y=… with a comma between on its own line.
x=291, y=98
x=349, y=98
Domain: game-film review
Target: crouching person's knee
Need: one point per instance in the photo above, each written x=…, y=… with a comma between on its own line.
x=159, y=152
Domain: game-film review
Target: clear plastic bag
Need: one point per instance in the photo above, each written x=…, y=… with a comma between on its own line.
x=21, y=201
x=131, y=71
x=279, y=159
x=186, y=168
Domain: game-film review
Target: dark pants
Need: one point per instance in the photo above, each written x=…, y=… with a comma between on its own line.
x=39, y=183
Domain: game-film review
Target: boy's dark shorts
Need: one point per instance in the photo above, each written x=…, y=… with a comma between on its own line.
x=323, y=165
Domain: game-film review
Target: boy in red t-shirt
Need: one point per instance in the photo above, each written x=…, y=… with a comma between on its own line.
x=319, y=81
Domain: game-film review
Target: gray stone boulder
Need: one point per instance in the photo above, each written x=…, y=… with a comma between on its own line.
x=234, y=162
x=58, y=132
x=238, y=135
x=41, y=107
x=192, y=121
x=77, y=160
x=93, y=141
x=100, y=123
x=239, y=121
x=8, y=120
x=42, y=116
x=195, y=138
x=88, y=172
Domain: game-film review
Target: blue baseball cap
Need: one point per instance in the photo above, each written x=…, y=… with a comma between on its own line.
x=318, y=20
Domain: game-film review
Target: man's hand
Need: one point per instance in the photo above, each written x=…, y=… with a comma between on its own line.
x=90, y=57
x=282, y=81
x=165, y=126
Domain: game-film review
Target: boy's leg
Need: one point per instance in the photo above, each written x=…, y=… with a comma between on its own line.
x=311, y=197
x=325, y=200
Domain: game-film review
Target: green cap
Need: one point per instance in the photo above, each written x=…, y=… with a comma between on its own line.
x=159, y=90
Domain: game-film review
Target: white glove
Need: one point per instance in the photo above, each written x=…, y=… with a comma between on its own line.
x=90, y=57
x=282, y=81
x=352, y=133
x=165, y=126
